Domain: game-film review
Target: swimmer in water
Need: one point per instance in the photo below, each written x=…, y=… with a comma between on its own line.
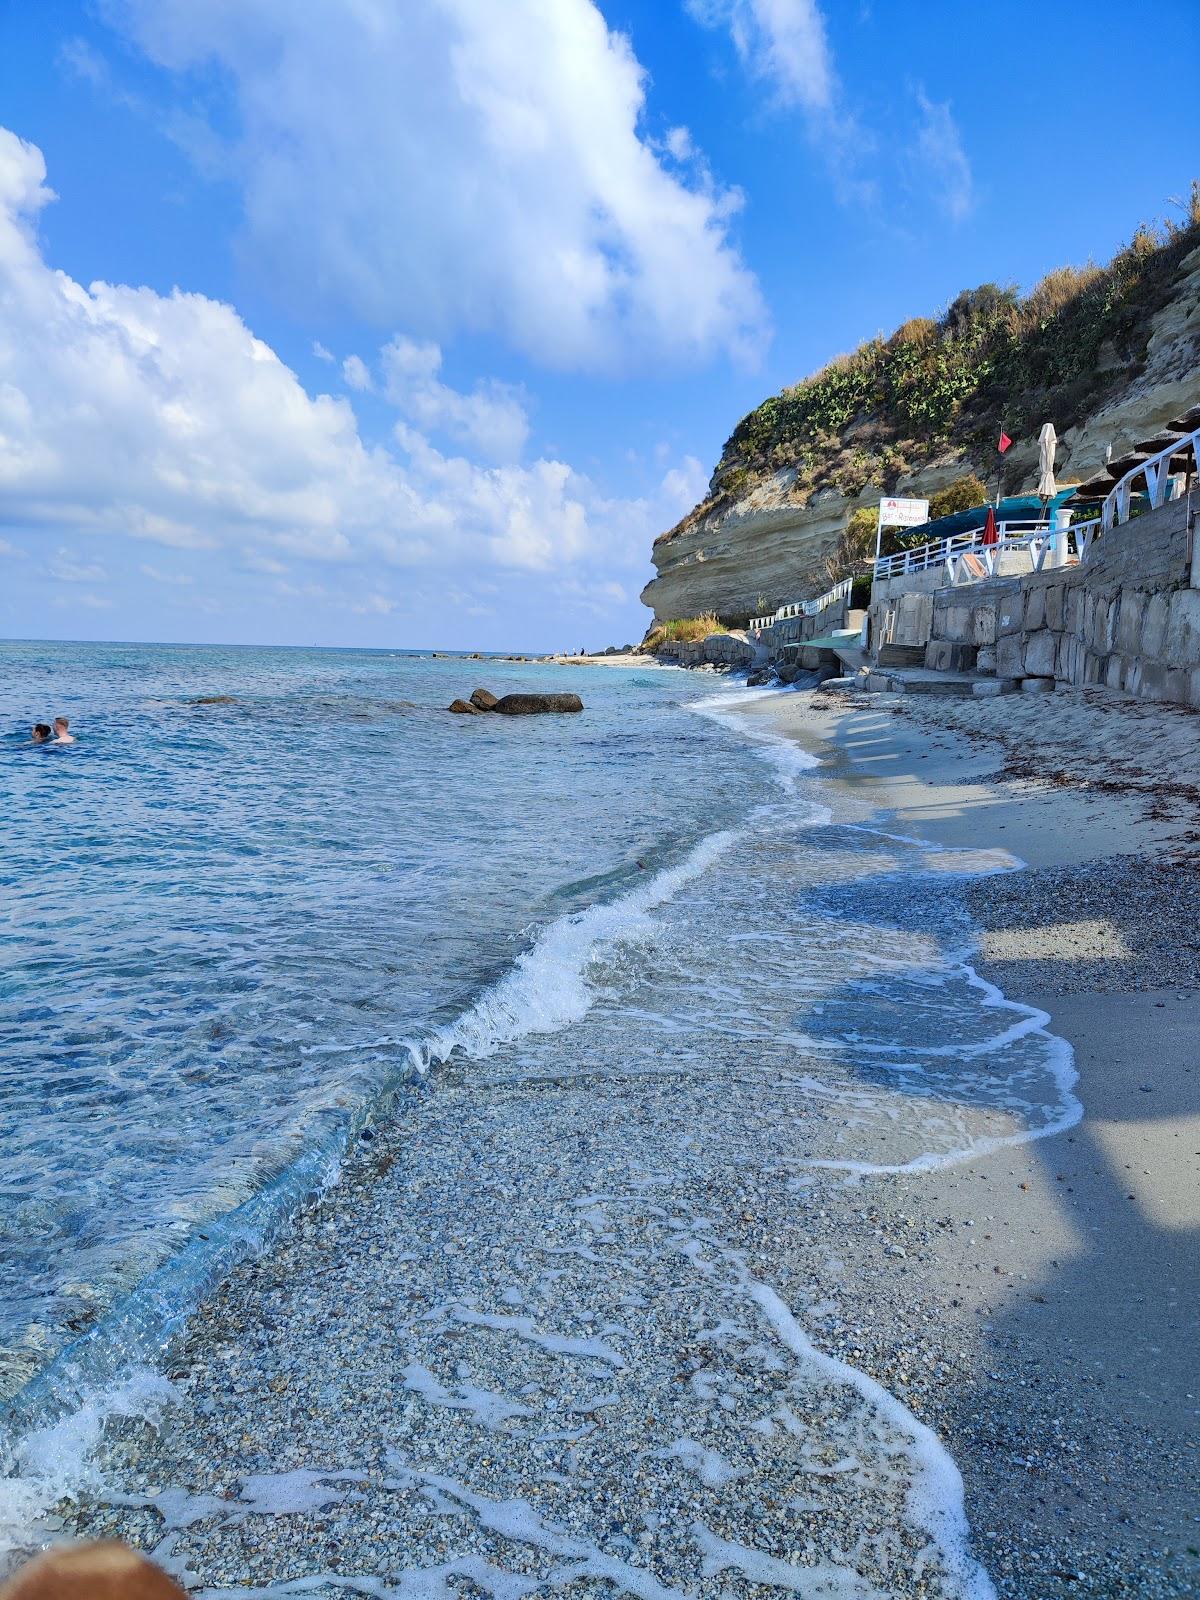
x=61, y=736
x=41, y=732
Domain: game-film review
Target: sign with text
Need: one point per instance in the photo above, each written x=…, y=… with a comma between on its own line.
x=903, y=513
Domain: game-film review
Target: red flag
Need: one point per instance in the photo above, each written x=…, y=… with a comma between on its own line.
x=991, y=534
x=1005, y=441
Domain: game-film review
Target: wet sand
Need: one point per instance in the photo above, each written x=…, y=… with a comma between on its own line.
x=1075, y=1266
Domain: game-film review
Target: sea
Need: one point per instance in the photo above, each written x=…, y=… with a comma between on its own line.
x=267, y=888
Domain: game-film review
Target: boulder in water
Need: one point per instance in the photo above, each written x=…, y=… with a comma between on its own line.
x=484, y=700
x=528, y=705
x=464, y=708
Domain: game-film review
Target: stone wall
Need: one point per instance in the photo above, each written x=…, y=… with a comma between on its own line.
x=1128, y=617
x=718, y=650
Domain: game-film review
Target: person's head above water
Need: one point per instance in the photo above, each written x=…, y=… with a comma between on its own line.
x=41, y=732
x=60, y=731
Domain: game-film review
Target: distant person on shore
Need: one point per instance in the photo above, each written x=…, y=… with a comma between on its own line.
x=61, y=735
x=41, y=732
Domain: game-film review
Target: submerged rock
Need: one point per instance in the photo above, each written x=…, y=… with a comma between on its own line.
x=528, y=705
x=484, y=700
x=464, y=708
x=214, y=700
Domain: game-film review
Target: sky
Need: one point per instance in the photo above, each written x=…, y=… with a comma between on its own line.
x=410, y=323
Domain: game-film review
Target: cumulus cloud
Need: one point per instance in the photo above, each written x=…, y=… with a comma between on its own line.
x=162, y=418
x=453, y=165
x=491, y=419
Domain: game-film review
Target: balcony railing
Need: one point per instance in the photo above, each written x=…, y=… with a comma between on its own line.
x=803, y=608
x=965, y=556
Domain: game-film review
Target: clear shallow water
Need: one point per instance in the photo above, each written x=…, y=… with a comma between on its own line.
x=226, y=926
x=634, y=895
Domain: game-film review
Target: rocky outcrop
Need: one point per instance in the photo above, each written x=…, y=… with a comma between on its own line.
x=745, y=551
x=530, y=705
x=484, y=700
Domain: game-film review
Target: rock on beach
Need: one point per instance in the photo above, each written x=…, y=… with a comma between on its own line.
x=528, y=705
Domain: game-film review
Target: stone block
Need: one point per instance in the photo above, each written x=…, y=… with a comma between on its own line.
x=1176, y=686
x=1038, y=656
x=1114, y=672
x=947, y=655
x=1035, y=608
x=1011, y=615
x=1154, y=624
x=1093, y=666
x=954, y=624
x=994, y=686
x=1010, y=656
x=1073, y=608
x=1193, y=693
x=985, y=658
x=1182, y=644
x=1129, y=622
x=1037, y=685
x=983, y=625
x=1054, y=607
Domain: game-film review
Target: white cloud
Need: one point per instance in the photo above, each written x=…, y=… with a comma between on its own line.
x=67, y=568
x=7, y=549
x=374, y=605
x=939, y=162
x=452, y=165
x=491, y=419
x=179, y=579
x=125, y=414
x=781, y=42
x=321, y=353
x=356, y=375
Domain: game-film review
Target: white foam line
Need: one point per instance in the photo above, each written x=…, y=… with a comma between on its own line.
x=55, y=1462
x=522, y=1523
x=935, y=1500
x=825, y=1578
x=558, y=1344
x=547, y=988
x=1063, y=1071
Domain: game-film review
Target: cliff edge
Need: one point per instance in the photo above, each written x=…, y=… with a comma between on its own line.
x=1105, y=353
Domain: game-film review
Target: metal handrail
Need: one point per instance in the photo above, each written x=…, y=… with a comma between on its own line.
x=803, y=608
x=1115, y=508
x=1036, y=537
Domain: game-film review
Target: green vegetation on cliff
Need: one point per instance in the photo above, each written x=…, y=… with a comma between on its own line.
x=994, y=357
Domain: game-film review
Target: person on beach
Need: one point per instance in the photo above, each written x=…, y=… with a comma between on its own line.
x=61, y=735
x=41, y=732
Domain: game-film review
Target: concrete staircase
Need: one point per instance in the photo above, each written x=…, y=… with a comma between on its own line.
x=901, y=655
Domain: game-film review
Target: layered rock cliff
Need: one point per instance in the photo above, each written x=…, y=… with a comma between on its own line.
x=1106, y=354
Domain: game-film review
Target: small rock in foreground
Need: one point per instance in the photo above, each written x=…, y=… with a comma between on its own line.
x=464, y=708
x=484, y=700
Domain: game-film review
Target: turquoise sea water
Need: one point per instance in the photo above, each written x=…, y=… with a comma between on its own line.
x=226, y=927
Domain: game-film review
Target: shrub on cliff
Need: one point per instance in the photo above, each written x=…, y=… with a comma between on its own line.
x=683, y=630
x=1074, y=341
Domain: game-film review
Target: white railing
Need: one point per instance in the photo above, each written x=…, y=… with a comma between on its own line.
x=1161, y=484
x=965, y=557
x=803, y=608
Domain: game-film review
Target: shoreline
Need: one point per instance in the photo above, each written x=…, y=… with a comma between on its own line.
x=914, y=1323
x=1082, y=1268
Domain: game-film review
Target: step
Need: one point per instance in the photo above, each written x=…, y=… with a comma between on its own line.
x=901, y=655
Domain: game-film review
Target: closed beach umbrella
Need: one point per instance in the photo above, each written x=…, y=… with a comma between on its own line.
x=991, y=534
x=1047, y=444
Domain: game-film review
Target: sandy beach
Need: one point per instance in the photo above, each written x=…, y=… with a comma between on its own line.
x=580, y=1325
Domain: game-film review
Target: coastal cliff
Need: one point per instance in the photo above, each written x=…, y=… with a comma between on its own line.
x=1106, y=354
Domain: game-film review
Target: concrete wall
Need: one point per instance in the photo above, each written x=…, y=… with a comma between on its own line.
x=1128, y=617
x=782, y=638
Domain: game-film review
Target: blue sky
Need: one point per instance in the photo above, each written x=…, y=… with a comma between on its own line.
x=410, y=322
